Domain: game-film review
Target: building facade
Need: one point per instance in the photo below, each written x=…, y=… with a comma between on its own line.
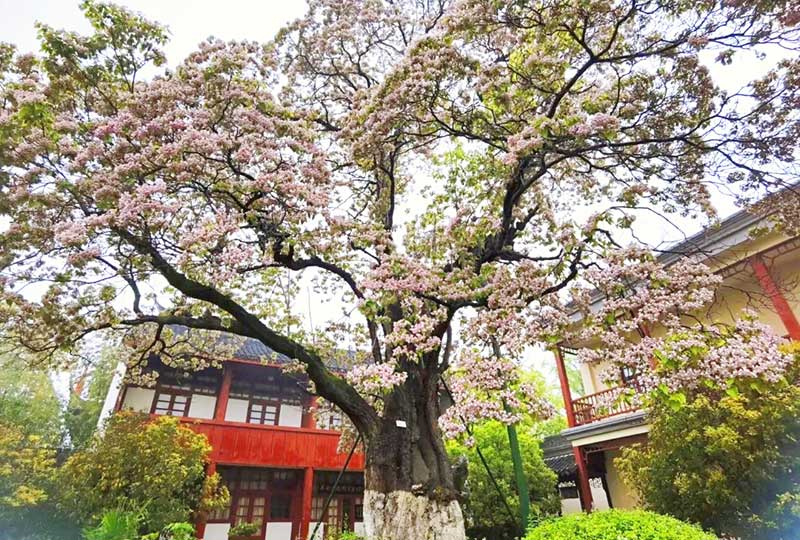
x=760, y=273
x=278, y=459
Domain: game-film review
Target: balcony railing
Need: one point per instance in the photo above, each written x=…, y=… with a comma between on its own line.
x=236, y=443
x=606, y=403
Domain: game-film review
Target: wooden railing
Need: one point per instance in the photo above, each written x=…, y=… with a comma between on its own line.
x=236, y=443
x=606, y=403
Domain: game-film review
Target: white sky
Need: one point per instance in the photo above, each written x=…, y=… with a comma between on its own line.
x=189, y=21
x=192, y=21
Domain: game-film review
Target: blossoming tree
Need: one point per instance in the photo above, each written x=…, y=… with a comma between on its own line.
x=452, y=172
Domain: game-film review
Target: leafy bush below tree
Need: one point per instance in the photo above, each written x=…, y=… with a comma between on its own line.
x=617, y=525
x=154, y=465
x=484, y=510
x=727, y=460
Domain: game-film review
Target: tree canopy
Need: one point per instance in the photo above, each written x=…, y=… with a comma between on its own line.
x=455, y=174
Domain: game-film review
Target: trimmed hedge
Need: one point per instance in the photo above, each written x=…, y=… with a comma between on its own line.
x=617, y=525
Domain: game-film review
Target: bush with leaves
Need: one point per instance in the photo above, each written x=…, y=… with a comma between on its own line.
x=156, y=465
x=617, y=525
x=243, y=529
x=486, y=515
x=349, y=535
x=118, y=524
x=27, y=466
x=726, y=459
x=173, y=531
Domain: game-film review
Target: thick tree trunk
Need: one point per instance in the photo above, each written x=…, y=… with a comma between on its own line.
x=403, y=515
x=410, y=493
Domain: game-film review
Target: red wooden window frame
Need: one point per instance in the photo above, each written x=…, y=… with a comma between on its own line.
x=253, y=513
x=342, y=514
x=171, y=404
x=270, y=485
x=262, y=414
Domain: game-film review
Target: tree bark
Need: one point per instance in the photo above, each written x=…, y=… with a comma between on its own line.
x=410, y=491
x=402, y=515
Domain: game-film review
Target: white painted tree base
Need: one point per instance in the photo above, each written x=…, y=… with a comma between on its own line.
x=401, y=515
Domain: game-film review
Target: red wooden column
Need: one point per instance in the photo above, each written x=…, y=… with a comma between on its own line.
x=565, y=392
x=309, y=421
x=224, y=392
x=779, y=302
x=308, y=492
x=200, y=527
x=584, y=488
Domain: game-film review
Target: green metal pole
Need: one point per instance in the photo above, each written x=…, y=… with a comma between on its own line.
x=516, y=458
x=519, y=474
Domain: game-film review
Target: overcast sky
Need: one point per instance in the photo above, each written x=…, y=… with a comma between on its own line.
x=189, y=21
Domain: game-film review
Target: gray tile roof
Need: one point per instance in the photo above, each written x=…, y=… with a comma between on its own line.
x=254, y=350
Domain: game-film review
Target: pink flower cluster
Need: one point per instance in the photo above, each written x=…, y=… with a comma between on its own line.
x=375, y=379
x=642, y=295
x=485, y=387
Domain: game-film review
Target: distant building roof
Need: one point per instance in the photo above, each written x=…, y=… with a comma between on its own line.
x=730, y=232
x=558, y=455
x=254, y=350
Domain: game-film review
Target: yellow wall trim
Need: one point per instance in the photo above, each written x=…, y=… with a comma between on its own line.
x=611, y=435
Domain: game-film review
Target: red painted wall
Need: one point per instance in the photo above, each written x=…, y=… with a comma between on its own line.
x=274, y=446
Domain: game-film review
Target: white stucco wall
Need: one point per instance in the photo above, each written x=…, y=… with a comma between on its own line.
x=599, y=496
x=570, y=506
x=358, y=528
x=599, y=499
x=217, y=531
x=113, y=394
x=621, y=495
x=237, y=410
x=202, y=406
x=138, y=399
x=291, y=416
x=320, y=533
x=279, y=530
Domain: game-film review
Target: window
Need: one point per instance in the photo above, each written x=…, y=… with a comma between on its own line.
x=258, y=496
x=280, y=507
x=317, y=504
x=250, y=509
x=253, y=480
x=284, y=479
x=333, y=519
x=358, y=505
x=343, y=513
x=220, y=514
x=335, y=420
x=628, y=374
x=204, y=382
x=261, y=412
x=568, y=490
x=171, y=404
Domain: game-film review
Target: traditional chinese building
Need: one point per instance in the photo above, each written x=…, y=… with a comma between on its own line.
x=278, y=461
x=760, y=273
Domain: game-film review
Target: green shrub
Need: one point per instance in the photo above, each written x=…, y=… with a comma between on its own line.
x=724, y=460
x=174, y=531
x=116, y=525
x=244, y=529
x=617, y=525
x=156, y=465
x=350, y=535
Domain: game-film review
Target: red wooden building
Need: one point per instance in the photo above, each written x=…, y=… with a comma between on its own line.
x=278, y=463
